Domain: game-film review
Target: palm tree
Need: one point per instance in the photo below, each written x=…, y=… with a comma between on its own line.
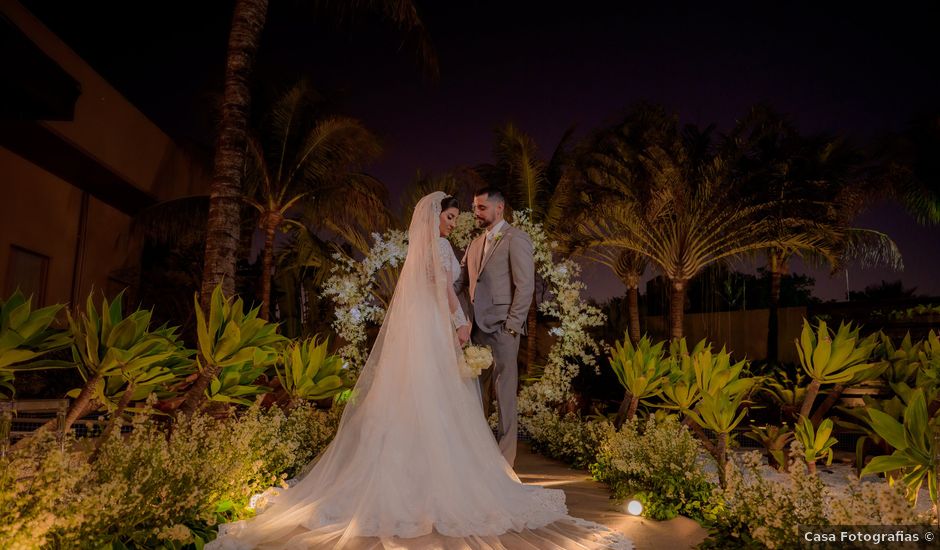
x=459, y=183
x=674, y=200
x=607, y=171
x=913, y=167
x=244, y=38
x=546, y=189
x=297, y=156
x=817, y=178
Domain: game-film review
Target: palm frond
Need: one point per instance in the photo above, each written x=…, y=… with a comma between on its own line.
x=402, y=13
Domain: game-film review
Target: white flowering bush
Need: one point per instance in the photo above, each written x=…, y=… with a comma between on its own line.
x=760, y=508
x=571, y=438
x=151, y=488
x=351, y=289
x=573, y=346
x=660, y=462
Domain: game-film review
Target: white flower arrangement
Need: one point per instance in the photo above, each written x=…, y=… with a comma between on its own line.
x=574, y=346
x=351, y=287
x=476, y=358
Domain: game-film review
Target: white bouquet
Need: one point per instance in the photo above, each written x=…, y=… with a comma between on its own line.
x=476, y=358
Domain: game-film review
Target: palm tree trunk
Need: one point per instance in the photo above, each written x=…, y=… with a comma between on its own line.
x=530, y=339
x=677, y=308
x=115, y=418
x=811, y=391
x=773, y=320
x=831, y=399
x=633, y=307
x=222, y=231
x=271, y=221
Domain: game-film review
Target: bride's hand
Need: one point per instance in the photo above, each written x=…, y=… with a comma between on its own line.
x=463, y=334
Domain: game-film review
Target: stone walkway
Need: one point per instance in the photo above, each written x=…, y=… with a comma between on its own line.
x=590, y=500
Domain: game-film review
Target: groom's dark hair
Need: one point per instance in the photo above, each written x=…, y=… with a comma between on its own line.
x=491, y=192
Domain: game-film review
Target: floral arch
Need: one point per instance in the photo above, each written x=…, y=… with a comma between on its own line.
x=351, y=289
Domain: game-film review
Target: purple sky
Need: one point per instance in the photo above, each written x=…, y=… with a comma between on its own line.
x=843, y=68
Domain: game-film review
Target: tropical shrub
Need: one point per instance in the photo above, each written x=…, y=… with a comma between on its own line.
x=659, y=462
x=153, y=488
x=568, y=438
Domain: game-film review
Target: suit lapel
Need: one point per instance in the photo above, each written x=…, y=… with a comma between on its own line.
x=480, y=245
x=504, y=232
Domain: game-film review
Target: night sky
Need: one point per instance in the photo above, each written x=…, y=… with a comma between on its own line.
x=833, y=67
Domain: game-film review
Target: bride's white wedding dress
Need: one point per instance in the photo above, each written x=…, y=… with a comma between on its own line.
x=414, y=463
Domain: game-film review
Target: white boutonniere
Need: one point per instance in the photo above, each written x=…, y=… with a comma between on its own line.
x=497, y=237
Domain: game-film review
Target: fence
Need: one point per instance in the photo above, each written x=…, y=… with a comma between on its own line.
x=743, y=332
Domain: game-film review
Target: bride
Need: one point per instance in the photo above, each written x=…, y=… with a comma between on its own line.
x=414, y=463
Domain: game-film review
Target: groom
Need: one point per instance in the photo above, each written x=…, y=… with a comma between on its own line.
x=498, y=274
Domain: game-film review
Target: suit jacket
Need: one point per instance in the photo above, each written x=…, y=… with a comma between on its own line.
x=500, y=287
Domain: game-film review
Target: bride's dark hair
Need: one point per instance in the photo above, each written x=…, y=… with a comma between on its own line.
x=449, y=202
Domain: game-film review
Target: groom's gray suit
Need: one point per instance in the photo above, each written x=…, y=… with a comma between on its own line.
x=500, y=288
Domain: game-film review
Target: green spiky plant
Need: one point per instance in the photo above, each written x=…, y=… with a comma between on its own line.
x=914, y=460
x=641, y=370
x=787, y=393
x=235, y=347
x=710, y=391
x=840, y=358
x=774, y=440
x=135, y=381
x=817, y=442
x=307, y=371
x=108, y=344
x=903, y=360
x=26, y=335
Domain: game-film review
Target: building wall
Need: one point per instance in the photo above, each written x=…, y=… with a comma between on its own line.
x=42, y=213
x=108, y=127
x=38, y=212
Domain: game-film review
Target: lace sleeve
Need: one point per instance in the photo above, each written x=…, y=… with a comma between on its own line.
x=448, y=261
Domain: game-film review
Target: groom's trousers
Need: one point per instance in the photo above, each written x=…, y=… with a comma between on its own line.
x=501, y=381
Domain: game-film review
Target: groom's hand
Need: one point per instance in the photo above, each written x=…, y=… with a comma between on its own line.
x=463, y=334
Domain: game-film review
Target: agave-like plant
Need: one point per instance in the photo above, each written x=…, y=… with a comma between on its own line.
x=716, y=401
x=788, y=393
x=774, y=440
x=234, y=345
x=721, y=413
x=871, y=373
x=903, y=360
x=641, y=370
x=680, y=392
x=308, y=372
x=828, y=358
x=136, y=380
x=928, y=377
x=111, y=345
x=25, y=335
x=714, y=373
x=914, y=460
x=817, y=442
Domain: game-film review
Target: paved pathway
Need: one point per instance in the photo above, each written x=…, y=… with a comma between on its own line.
x=590, y=500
